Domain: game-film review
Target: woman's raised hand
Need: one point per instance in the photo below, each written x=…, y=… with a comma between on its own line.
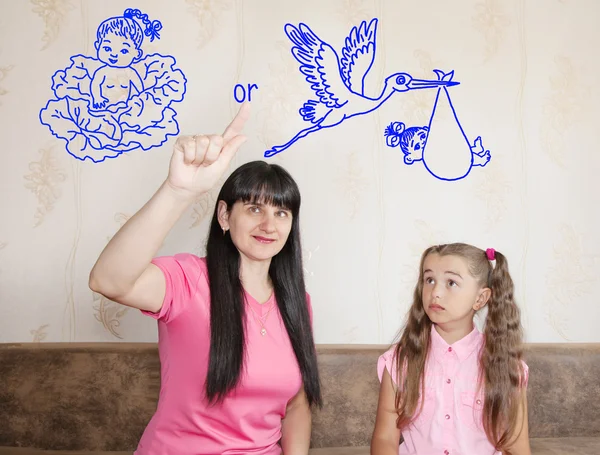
x=199, y=161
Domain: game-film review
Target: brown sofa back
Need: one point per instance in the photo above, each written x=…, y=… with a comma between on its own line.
x=100, y=396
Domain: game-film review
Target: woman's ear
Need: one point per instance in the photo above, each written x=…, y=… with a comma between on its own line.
x=223, y=215
x=482, y=299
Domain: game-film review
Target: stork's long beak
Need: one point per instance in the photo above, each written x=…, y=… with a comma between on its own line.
x=422, y=83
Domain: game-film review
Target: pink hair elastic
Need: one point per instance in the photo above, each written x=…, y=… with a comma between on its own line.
x=491, y=254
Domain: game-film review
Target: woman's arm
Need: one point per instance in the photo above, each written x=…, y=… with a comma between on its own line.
x=296, y=426
x=386, y=436
x=123, y=272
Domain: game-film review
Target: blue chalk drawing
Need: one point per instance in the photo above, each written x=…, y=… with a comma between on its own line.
x=243, y=98
x=339, y=83
x=119, y=100
x=448, y=160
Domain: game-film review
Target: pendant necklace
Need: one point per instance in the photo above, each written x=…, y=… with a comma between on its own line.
x=263, y=330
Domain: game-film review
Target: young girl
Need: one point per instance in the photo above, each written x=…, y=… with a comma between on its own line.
x=447, y=388
x=238, y=364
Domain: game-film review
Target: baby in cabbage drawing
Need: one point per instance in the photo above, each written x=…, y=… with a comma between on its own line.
x=118, y=45
x=119, y=101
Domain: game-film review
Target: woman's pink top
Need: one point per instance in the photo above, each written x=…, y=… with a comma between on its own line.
x=249, y=419
x=451, y=420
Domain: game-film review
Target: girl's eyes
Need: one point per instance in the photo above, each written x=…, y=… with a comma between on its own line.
x=124, y=51
x=107, y=49
x=451, y=283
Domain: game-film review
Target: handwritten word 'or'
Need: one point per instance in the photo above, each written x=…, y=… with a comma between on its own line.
x=239, y=92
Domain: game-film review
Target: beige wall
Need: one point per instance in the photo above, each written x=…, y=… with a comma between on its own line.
x=529, y=87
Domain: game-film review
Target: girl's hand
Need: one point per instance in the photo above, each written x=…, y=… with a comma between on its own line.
x=199, y=161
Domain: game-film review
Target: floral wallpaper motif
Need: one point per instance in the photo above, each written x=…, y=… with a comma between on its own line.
x=570, y=278
x=45, y=181
x=492, y=192
x=352, y=12
x=107, y=312
x=564, y=106
x=284, y=92
x=536, y=198
x=352, y=182
x=491, y=20
x=416, y=107
x=38, y=335
x=208, y=13
x=2, y=246
x=54, y=15
x=4, y=72
x=425, y=236
x=204, y=206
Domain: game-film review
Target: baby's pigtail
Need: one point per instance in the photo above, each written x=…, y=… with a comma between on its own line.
x=151, y=27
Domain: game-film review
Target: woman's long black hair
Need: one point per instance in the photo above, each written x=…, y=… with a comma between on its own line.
x=257, y=182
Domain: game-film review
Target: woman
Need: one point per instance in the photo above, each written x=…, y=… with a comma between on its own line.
x=238, y=365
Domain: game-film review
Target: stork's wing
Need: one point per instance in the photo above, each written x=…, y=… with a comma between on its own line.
x=320, y=64
x=358, y=55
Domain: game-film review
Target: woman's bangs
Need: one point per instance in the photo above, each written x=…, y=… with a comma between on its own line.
x=271, y=189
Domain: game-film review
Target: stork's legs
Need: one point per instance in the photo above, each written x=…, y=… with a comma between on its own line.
x=280, y=148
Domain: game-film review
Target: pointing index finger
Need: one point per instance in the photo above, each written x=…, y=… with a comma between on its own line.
x=237, y=124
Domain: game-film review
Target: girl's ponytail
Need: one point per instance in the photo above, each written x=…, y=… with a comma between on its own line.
x=501, y=364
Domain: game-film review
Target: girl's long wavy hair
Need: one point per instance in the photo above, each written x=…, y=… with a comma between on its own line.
x=257, y=182
x=501, y=371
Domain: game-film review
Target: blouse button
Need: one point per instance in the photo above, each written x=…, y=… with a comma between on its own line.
x=478, y=402
x=450, y=349
x=446, y=452
x=447, y=417
x=448, y=381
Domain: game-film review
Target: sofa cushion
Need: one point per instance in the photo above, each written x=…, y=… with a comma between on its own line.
x=563, y=390
x=26, y=451
x=65, y=396
x=339, y=451
x=565, y=446
x=100, y=396
x=350, y=395
x=539, y=446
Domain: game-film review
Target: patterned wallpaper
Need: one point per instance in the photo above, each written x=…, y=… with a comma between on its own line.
x=528, y=88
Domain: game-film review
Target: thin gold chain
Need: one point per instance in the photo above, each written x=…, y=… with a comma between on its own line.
x=263, y=331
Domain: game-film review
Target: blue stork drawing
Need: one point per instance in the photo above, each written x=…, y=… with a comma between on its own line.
x=340, y=83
